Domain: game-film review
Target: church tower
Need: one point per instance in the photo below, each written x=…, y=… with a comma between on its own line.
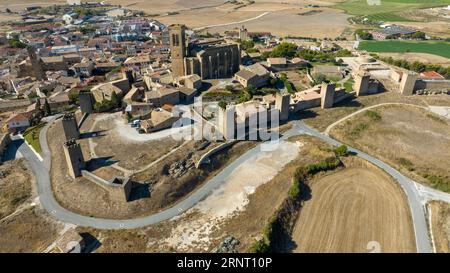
x=177, y=48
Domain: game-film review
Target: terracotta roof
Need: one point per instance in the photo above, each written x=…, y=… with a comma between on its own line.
x=431, y=75
x=19, y=117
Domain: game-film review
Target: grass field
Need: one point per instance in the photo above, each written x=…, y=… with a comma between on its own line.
x=432, y=47
x=389, y=17
x=31, y=135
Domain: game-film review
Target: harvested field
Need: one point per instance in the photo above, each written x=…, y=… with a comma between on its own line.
x=413, y=140
x=15, y=186
x=29, y=231
x=326, y=23
x=421, y=57
x=350, y=209
x=440, y=225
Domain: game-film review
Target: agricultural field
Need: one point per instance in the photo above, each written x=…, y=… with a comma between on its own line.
x=413, y=140
x=387, y=7
x=389, y=17
x=439, y=48
x=355, y=209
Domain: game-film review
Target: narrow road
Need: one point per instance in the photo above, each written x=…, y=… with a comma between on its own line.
x=51, y=205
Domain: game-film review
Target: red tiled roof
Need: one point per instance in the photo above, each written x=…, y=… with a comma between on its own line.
x=431, y=75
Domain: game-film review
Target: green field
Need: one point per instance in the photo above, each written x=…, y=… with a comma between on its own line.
x=388, y=8
x=388, y=17
x=433, y=47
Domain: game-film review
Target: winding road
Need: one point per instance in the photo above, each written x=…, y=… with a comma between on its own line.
x=417, y=195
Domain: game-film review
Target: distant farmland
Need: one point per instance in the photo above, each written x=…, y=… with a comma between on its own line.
x=388, y=9
x=434, y=47
x=361, y=7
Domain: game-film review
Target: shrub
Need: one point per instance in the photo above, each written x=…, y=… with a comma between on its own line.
x=341, y=150
x=222, y=104
x=406, y=163
x=373, y=115
x=259, y=246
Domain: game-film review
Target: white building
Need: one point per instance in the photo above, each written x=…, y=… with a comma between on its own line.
x=74, y=2
x=69, y=18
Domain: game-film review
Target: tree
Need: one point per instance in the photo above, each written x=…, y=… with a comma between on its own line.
x=222, y=104
x=284, y=49
x=47, y=109
x=364, y=34
x=229, y=88
x=16, y=43
x=74, y=97
x=245, y=45
x=341, y=150
x=320, y=78
x=418, y=66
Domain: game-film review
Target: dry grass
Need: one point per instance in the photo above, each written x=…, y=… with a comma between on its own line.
x=15, y=186
x=156, y=189
x=440, y=225
x=245, y=226
x=421, y=57
x=350, y=208
x=322, y=118
x=413, y=140
x=29, y=231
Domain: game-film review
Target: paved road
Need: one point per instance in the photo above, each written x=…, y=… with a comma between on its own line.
x=49, y=203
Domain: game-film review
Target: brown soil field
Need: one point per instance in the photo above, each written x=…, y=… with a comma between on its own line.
x=440, y=225
x=421, y=57
x=29, y=231
x=154, y=188
x=322, y=118
x=411, y=139
x=15, y=186
x=352, y=207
